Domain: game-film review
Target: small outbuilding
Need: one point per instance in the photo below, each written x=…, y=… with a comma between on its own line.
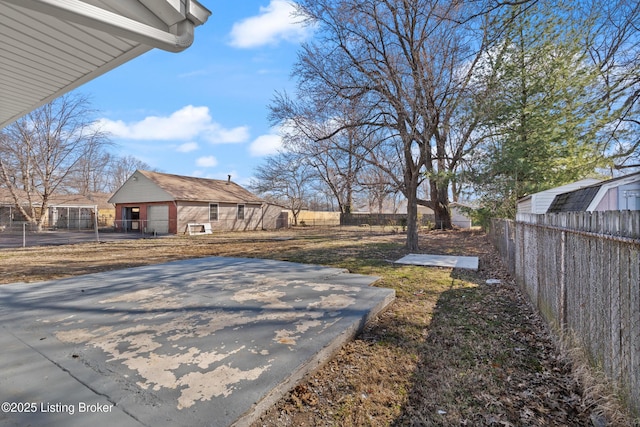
x=617, y=194
x=538, y=203
x=63, y=211
x=161, y=203
x=459, y=216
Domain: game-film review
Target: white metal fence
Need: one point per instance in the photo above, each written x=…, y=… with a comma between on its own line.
x=582, y=271
x=140, y=226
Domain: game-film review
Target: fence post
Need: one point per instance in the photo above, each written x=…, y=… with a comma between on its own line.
x=563, y=281
x=24, y=235
x=95, y=224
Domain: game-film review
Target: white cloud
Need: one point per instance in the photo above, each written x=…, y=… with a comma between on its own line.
x=265, y=145
x=220, y=135
x=187, y=123
x=207, y=162
x=274, y=23
x=187, y=147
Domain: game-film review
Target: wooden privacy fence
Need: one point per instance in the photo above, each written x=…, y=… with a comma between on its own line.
x=360, y=218
x=318, y=218
x=582, y=272
x=502, y=234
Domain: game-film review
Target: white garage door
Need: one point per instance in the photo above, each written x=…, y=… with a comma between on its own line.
x=158, y=219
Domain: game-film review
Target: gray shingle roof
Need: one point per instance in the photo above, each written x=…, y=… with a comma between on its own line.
x=574, y=201
x=580, y=199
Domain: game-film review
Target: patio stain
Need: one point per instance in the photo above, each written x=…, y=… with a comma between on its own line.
x=139, y=345
x=160, y=341
x=219, y=382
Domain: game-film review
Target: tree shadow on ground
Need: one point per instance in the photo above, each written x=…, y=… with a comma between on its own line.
x=488, y=360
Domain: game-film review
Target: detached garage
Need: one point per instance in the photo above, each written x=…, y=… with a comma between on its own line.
x=153, y=202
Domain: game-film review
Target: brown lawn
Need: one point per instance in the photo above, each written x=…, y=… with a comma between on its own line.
x=450, y=351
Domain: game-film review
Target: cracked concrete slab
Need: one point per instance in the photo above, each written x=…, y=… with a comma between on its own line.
x=451, y=261
x=212, y=341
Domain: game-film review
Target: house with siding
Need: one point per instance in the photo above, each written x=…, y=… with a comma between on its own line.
x=63, y=211
x=161, y=203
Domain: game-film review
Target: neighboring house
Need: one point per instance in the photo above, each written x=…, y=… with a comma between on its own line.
x=422, y=210
x=458, y=217
x=106, y=211
x=162, y=203
x=66, y=211
x=538, y=203
x=622, y=193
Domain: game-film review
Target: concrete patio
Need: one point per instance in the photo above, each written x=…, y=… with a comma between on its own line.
x=204, y=342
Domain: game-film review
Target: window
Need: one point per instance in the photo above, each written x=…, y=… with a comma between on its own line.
x=240, y=211
x=213, y=211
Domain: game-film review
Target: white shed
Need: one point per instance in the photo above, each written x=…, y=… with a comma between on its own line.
x=538, y=203
x=621, y=193
x=458, y=217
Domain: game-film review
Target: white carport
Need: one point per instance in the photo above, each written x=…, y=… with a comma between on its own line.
x=50, y=47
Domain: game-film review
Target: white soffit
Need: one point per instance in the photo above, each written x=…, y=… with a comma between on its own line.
x=50, y=47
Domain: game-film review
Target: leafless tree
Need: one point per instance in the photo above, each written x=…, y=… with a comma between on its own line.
x=377, y=188
x=39, y=152
x=335, y=160
x=613, y=46
x=408, y=65
x=92, y=174
x=119, y=169
x=284, y=179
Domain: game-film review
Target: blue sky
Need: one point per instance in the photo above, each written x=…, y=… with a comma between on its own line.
x=203, y=112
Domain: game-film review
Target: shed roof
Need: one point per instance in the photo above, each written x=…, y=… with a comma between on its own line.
x=59, y=200
x=586, y=198
x=50, y=47
x=574, y=201
x=187, y=188
x=562, y=188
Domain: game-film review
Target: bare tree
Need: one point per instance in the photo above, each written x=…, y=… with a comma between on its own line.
x=284, y=179
x=40, y=151
x=121, y=168
x=613, y=46
x=336, y=160
x=377, y=188
x=92, y=173
x=408, y=65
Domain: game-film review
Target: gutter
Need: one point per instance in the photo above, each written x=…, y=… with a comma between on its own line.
x=82, y=13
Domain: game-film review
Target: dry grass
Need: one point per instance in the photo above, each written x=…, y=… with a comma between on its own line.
x=607, y=406
x=450, y=351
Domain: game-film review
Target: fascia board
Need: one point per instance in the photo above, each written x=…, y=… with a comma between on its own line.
x=95, y=17
x=197, y=13
x=133, y=53
x=170, y=11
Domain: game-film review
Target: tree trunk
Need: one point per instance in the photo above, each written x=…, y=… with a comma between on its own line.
x=442, y=216
x=412, y=224
x=440, y=205
x=412, y=211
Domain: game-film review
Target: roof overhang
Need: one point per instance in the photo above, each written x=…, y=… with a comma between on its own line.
x=50, y=47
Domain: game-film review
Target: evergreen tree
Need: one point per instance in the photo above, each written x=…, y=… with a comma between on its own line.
x=540, y=126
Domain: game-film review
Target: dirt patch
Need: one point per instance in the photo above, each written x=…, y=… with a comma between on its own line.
x=451, y=350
